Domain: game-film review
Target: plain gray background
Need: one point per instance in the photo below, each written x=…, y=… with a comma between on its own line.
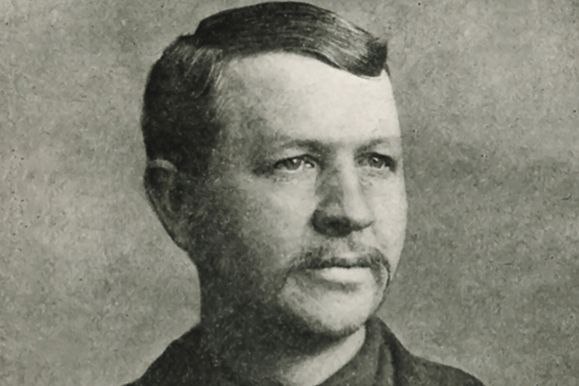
x=91, y=289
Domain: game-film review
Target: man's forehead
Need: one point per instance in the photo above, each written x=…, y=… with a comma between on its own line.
x=270, y=74
x=281, y=91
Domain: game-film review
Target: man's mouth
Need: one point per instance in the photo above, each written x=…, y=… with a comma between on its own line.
x=342, y=262
x=341, y=275
x=345, y=270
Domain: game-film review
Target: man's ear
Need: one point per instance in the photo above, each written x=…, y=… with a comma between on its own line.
x=165, y=192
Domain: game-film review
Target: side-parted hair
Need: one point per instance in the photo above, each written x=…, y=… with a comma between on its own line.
x=179, y=122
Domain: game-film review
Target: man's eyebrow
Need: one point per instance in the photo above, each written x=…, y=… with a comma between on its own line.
x=311, y=144
x=393, y=145
x=390, y=141
x=320, y=146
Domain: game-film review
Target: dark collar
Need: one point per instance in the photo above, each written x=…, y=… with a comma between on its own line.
x=382, y=361
x=372, y=365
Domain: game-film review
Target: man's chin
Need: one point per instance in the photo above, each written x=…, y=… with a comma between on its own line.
x=327, y=311
x=312, y=330
x=333, y=329
x=325, y=322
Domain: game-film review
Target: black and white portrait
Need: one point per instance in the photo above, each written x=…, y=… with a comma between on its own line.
x=289, y=193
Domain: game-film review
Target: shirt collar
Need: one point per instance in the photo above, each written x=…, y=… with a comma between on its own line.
x=371, y=366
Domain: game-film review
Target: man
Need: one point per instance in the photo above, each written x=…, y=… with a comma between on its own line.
x=275, y=161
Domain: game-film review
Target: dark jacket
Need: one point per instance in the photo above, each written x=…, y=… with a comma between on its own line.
x=382, y=361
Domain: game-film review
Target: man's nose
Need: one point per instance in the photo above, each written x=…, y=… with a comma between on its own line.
x=343, y=207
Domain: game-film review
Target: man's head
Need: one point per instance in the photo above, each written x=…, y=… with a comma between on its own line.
x=276, y=163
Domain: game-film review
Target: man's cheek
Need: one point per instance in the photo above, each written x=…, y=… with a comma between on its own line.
x=283, y=213
x=390, y=219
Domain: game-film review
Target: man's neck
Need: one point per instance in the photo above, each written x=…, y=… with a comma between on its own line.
x=258, y=357
x=265, y=352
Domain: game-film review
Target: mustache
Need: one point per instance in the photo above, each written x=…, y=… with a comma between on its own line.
x=328, y=257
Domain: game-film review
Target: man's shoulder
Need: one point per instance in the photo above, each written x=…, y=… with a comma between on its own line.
x=183, y=363
x=417, y=371
x=421, y=371
x=177, y=365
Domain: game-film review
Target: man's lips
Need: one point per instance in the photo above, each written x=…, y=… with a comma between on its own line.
x=341, y=275
x=343, y=269
x=351, y=260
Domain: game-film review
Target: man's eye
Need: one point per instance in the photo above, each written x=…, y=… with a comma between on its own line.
x=379, y=161
x=294, y=164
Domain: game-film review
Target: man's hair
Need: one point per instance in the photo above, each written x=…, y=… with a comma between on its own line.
x=179, y=121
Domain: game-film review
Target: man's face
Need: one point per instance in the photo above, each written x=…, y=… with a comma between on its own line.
x=306, y=192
